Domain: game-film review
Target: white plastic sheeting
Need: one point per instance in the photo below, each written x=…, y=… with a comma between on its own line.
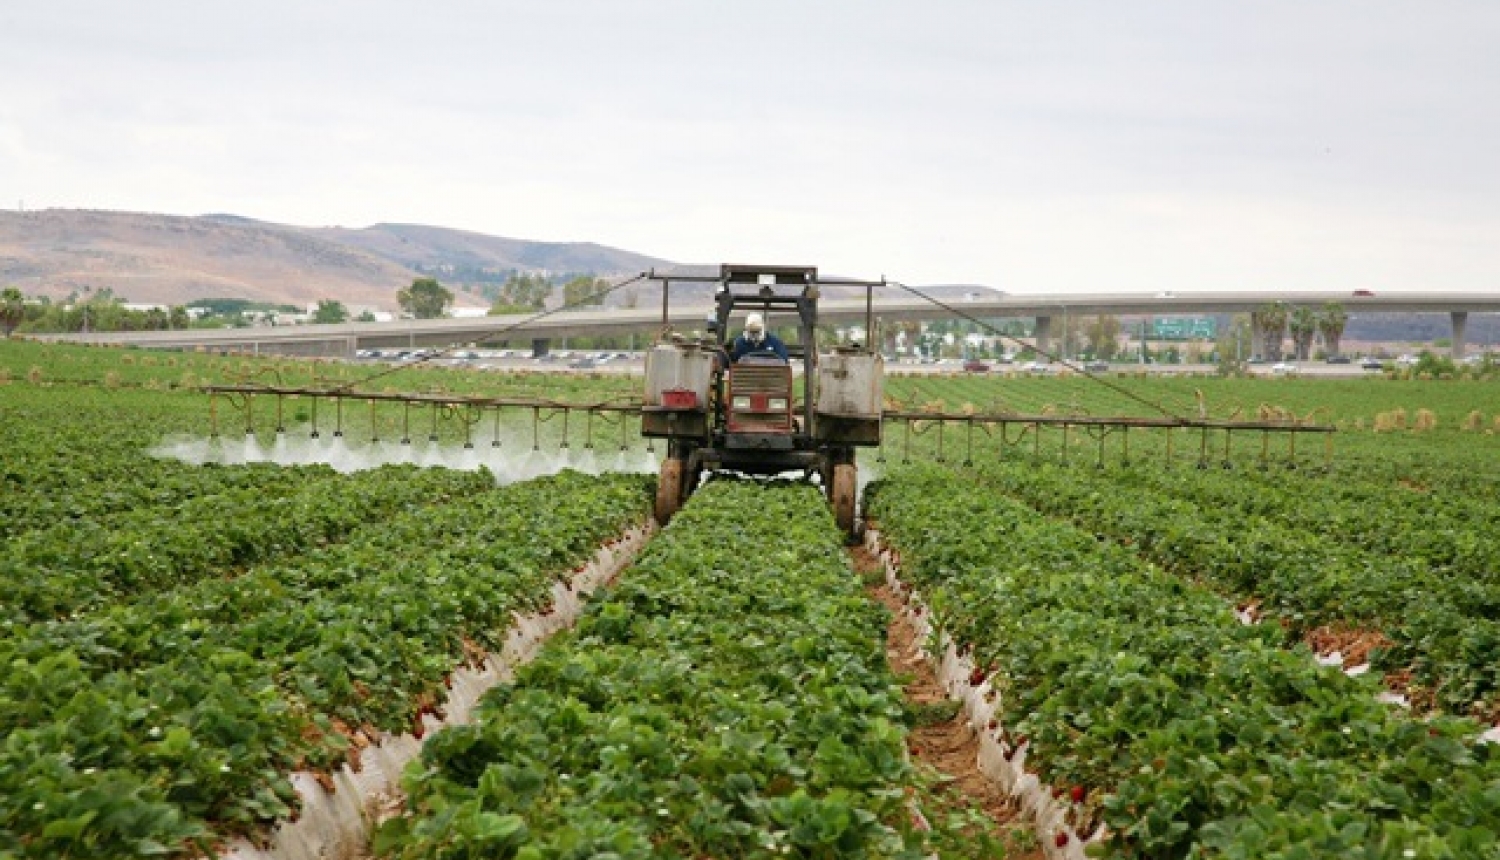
x=981, y=704
x=336, y=825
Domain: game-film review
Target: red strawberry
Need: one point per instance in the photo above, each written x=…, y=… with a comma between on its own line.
x=1061, y=839
x=994, y=724
x=976, y=677
x=1077, y=793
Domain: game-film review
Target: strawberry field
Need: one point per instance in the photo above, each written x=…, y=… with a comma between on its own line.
x=1256, y=661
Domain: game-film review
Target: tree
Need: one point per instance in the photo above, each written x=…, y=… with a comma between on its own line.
x=425, y=299
x=1270, y=320
x=12, y=309
x=330, y=311
x=521, y=294
x=1331, y=323
x=584, y=290
x=1304, y=327
x=1103, y=335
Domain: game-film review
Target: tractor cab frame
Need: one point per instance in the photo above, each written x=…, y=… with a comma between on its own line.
x=752, y=416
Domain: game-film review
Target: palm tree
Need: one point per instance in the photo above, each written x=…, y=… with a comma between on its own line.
x=1304, y=326
x=1331, y=323
x=1270, y=320
x=12, y=309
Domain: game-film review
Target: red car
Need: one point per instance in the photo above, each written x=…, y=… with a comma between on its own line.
x=1366, y=294
x=976, y=366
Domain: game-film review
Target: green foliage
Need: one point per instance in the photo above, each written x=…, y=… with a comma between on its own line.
x=330, y=311
x=522, y=292
x=425, y=298
x=584, y=291
x=1194, y=734
x=12, y=309
x=727, y=699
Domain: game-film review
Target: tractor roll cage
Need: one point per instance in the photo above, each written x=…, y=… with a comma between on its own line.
x=731, y=296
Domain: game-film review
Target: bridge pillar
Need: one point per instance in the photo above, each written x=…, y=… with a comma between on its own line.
x=1460, y=326
x=1044, y=335
x=540, y=346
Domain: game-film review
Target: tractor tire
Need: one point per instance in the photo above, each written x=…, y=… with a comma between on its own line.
x=843, y=493
x=668, y=490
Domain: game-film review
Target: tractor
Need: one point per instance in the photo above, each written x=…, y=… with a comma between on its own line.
x=760, y=415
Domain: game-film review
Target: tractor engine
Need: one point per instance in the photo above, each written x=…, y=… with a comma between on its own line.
x=760, y=397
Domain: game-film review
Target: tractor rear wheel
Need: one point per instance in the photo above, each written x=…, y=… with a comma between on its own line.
x=842, y=493
x=668, y=490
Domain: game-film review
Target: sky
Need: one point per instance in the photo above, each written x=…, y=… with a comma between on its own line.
x=1044, y=146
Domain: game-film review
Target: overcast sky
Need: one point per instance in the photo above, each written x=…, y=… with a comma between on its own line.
x=1048, y=145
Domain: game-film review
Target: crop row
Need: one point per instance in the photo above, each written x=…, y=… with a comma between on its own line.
x=77, y=455
x=1443, y=626
x=164, y=720
x=84, y=564
x=1186, y=732
x=728, y=698
x=1450, y=531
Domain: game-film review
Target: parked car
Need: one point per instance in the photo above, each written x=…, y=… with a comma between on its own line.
x=1338, y=359
x=1097, y=367
x=1370, y=362
x=1364, y=294
x=582, y=364
x=974, y=365
x=1036, y=367
x=1284, y=368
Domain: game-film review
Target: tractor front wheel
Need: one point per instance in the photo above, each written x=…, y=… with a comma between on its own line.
x=669, y=489
x=843, y=492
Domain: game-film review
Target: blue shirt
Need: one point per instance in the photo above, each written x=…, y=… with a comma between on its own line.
x=768, y=343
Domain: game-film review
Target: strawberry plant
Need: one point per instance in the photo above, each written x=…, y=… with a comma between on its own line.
x=190, y=705
x=728, y=698
x=1195, y=735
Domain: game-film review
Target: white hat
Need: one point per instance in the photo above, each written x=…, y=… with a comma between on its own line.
x=754, y=322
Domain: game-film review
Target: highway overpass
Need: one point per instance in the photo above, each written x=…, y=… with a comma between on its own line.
x=891, y=304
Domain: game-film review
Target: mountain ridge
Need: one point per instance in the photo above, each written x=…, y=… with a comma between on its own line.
x=152, y=258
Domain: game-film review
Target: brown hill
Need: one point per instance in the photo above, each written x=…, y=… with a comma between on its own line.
x=436, y=249
x=170, y=259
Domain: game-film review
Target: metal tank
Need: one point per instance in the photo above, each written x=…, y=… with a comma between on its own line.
x=673, y=369
x=850, y=383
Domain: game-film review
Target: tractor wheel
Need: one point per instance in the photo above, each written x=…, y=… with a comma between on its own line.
x=842, y=494
x=668, y=490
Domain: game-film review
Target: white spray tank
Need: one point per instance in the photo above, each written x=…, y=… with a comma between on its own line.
x=673, y=369
x=851, y=382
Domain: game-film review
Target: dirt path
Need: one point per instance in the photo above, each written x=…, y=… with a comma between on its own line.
x=948, y=745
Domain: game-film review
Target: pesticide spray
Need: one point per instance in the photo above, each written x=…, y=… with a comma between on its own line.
x=512, y=456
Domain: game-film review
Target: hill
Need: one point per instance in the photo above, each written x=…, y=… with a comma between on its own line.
x=172, y=259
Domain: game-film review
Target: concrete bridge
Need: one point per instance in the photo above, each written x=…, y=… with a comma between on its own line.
x=890, y=304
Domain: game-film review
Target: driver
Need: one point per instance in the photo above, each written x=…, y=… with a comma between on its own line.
x=757, y=341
